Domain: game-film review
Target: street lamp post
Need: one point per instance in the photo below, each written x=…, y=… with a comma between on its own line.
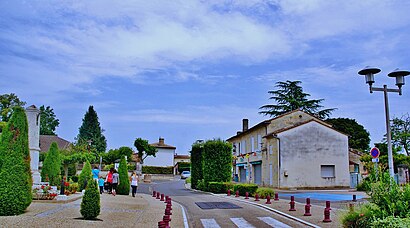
x=369, y=73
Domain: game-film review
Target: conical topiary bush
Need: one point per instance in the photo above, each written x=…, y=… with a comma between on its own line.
x=85, y=175
x=124, y=186
x=90, y=204
x=15, y=173
x=52, y=166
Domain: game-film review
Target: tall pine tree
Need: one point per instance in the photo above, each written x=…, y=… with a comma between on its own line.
x=91, y=131
x=15, y=172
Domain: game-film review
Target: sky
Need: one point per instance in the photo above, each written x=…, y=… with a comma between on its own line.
x=192, y=70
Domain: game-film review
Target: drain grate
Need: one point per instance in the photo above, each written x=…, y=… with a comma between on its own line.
x=217, y=205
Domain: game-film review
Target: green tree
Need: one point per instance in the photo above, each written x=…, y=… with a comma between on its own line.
x=115, y=154
x=7, y=103
x=74, y=155
x=400, y=132
x=52, y=166
x=15, y=173
x=85, y=176
x=290, y=96
x=359, y=137
x=196, y=163
x=90, y=204
x=124, y=186
x=217, y=165
x=48, y=121
x=91, y=132
x=144, y=149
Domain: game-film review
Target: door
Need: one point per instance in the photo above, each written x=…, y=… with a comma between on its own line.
x=354, y=180
x=257, y=170
x=242, y=174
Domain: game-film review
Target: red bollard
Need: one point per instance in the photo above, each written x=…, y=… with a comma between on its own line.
x=166, y=199
x=168, y=207
x=166, y=219
x=256, y=197
x=161, y=224
x=169, y=200
x=307, y=211
x=308, y=201
x=328, y=205
x=292, y=198
x=154, y=194
x=268, y=199
x=237, y=194
x=168, y=211
x=292, y=206
x=229, y=192
x=246, y=195
x=276, y=196
x=158, y=195
x=162, y=197
x=327, y=215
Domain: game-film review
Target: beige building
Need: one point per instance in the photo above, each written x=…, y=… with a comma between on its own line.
x=294, y=150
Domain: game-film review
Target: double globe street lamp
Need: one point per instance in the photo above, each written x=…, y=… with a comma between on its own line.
x=369, y=73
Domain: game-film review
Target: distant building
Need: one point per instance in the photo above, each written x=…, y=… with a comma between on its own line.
x=46, y=140
x=180, y=158
x=164, y=157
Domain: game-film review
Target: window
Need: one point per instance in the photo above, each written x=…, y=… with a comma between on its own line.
x=270, y=149
x=328, y=171
x=259, y=142
x=252, y=144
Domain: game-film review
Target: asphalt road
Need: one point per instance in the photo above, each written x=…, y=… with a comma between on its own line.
x=245, y=216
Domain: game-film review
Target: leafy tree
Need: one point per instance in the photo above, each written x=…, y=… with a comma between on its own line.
x=91, y=132
x=74, y=155
x=52, y=166
x=48, y=121
x=124, y=186
x=144, y=149
x=115, y=154
x=85, y=176
x=359, y=138
x=217, y=165
x=90, y=204
x=7, y=103
x=196, y=164
x=15, y=172
x=400, y=129
x=290, y=96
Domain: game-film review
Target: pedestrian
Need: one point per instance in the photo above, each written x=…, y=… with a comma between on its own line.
x=101, y=184
x=108, y=180
x=115, y=182
x=96, y=173
x=134, y=183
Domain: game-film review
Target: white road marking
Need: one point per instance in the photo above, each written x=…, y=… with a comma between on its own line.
x=241, y=223
x=210, y=223
x=273, y=222
x=184, y=217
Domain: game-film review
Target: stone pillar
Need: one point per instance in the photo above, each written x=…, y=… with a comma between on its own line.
x=33, y=118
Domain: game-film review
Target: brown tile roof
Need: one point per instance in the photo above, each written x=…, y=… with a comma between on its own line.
x=46, y=140
x=182, y=156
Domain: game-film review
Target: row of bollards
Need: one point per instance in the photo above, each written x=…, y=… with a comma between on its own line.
x=326, y=213
x=164, y=223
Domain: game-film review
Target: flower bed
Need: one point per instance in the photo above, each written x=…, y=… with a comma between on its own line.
x=44, y=192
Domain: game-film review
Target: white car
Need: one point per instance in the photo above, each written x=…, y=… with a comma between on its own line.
x=185, y=174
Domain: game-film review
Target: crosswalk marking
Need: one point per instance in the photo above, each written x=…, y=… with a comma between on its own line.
x=241, y=223
x=210, y=223
x=273, y=222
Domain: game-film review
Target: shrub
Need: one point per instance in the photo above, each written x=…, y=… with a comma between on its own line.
x=74, y=178
x=196, y=164
x=184, y=166
x=217, y=163
x=188, y=180
x=157, y=170
x=264, y=192
x=243, y=188
x=217, y=187
x=124, y=185
x=90, y=204
x=52, y=166
x=229, y=186
x=361, y=217
x=15, y=173
x=73, y=187
x=392, y=222
x=85, y=176
x=202, y=185
x=131, y=167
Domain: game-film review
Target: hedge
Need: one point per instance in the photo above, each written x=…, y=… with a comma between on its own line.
x=264, y=192
x=184, y=166
x=243, y=188
x=217, y=163
x=220, y=187
x=15, y=172
x=157, y=170
x=196, y=164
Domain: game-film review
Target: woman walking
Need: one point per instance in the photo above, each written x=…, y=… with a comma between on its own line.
x=134, y=183
x=115, y=182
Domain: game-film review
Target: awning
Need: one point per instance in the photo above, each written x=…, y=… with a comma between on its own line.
x=256, y=162
x=240, y=164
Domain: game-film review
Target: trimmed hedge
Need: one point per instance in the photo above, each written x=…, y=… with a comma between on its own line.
x=15, y=172
x=217, y=163
x=196, y=164
x=51, y=170
x=157, y=170
x=264, y=192
x=184, y=166
x=124, y=186
x=90, y=204
x=243, y=188
x=220, y=187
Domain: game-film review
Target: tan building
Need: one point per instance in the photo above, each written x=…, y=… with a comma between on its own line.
x=294, y=150
x=180, y=158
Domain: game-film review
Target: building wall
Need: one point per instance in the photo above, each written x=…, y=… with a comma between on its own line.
x=287, y=120
x=164, y=157
x=304, y=149
x=270, y=161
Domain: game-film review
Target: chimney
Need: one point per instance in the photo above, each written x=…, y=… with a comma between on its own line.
x=245, y=125
x=161, y=141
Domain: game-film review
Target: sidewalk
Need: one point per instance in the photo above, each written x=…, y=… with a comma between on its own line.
x=116, y=211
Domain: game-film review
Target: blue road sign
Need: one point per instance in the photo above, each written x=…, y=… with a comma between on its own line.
x=375, y=152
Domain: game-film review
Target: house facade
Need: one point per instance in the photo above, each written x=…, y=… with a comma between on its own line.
x=294, y=150
x=164, y=157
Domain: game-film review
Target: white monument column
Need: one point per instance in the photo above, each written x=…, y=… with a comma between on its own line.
x=33, y=118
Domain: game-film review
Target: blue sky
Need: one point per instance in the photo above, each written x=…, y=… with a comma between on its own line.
x=188, y=70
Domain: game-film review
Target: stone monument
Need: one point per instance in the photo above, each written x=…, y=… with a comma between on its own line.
x=33, y=118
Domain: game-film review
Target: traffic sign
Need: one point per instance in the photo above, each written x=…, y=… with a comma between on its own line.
x=375, y=159
x=375, y=152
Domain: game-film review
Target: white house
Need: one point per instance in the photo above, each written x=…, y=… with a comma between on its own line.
x=164, y=157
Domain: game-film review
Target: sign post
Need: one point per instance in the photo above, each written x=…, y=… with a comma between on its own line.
x=375, y=153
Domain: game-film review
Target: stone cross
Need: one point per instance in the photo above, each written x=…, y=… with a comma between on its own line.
x=33, y=118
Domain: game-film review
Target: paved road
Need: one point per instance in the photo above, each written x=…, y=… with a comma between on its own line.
x=245, y=216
